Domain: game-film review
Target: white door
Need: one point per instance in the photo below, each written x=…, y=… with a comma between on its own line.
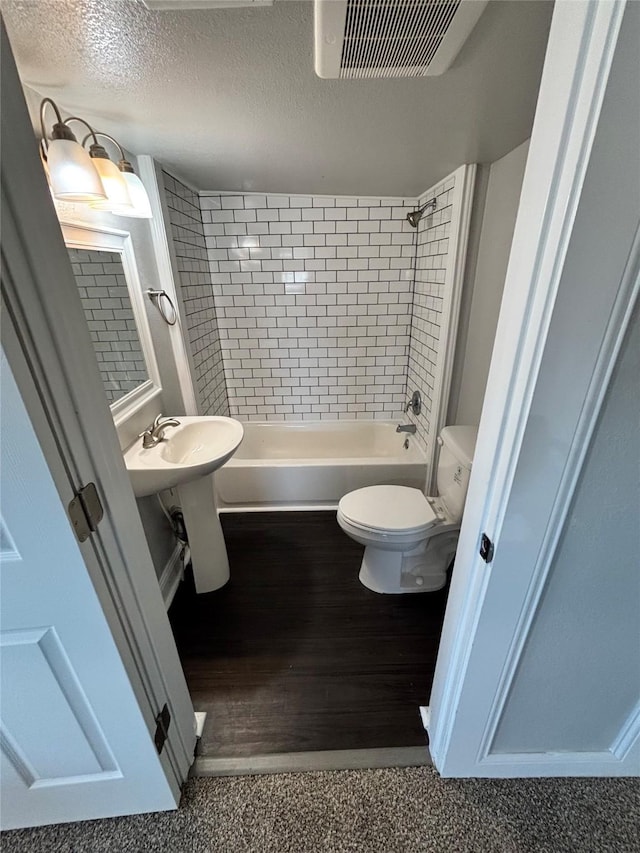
x=104, y=647
x=539, y=667
x=73, y=739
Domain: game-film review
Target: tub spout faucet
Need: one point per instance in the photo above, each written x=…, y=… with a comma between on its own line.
x=155, y=433
x=410, y=428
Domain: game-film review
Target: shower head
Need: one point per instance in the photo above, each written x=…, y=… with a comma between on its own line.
x=416, y=215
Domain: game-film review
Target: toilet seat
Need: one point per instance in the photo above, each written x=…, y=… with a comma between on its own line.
x=390, y=510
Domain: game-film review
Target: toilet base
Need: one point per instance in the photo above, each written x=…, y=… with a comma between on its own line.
x=424, y=569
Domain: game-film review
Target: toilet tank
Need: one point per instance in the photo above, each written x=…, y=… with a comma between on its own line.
x=457, y=445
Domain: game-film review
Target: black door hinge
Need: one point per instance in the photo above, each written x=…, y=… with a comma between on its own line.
x=85, y=511
x=163, y=721
x=486, y=548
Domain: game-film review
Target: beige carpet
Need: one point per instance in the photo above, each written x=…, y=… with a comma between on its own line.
x=391, y=811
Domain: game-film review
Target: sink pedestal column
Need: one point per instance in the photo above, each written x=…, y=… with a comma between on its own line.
x=206, y=540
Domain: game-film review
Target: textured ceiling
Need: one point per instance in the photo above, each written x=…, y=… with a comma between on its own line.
x=229, y=98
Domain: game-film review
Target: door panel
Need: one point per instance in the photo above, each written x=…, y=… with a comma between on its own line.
x=73, y=739
x=50, y=708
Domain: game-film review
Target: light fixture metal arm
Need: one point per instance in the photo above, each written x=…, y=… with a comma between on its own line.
x=124, y=165
x=97, y=133
x=86, y=124
x=60, y=129
x=43, y=105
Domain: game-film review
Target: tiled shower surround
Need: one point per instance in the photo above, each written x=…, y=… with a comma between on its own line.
x=312, y=307
x=197, y=296
x=433, y=258
x=313, y=298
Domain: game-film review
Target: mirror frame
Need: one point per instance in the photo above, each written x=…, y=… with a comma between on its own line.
x=93, y=238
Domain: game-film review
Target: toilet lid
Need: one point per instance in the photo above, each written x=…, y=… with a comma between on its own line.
x=395, y=509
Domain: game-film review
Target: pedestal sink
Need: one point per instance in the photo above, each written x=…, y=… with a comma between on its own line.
x=186, y=458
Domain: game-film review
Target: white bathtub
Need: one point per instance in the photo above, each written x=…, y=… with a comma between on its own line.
x=312, y=465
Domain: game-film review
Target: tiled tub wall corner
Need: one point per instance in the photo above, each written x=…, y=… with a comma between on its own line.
x=196, y=291
x=313, y=298
x=426, y=351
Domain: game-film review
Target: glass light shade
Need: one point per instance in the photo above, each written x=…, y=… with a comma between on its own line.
x=72, y=173
x=139, y=197
x=118, y=199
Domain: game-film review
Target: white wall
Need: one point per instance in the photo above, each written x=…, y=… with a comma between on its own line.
x=157, y=530
x=146, y=262
x=156, y=527
x=497, y=210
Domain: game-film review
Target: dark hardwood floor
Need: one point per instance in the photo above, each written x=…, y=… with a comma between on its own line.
x=294, y=654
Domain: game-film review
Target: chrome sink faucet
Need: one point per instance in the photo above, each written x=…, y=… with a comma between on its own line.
x=410, y=428
x=154, y=434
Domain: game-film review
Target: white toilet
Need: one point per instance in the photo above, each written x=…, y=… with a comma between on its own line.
x=411, y=539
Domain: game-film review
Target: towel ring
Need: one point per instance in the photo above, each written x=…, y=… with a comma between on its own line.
x=156, y=297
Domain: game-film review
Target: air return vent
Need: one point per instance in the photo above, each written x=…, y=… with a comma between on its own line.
x=391, y=38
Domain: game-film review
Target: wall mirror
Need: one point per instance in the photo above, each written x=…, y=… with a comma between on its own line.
x=103, y=264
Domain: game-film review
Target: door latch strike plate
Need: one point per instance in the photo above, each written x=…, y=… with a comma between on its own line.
x=486, y=548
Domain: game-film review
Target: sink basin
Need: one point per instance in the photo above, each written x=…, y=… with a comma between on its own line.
x=192, y=450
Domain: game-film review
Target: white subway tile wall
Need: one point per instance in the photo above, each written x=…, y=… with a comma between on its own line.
x=433, y=258
x=107, y=306
x=197, y=297
x=313, y=297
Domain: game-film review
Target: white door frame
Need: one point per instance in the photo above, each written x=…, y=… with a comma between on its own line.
x=71, y=415
x=47, y=343
x=580, y=52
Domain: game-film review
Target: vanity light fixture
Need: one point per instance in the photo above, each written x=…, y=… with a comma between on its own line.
x=72, y=175
x=140, y=205
x=118, y=199
x=78, y=175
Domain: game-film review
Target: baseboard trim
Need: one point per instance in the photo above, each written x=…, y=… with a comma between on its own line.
x=303, y=762
x=425, y=716
x=171, y=575
x=304, y=507
x=200, y=720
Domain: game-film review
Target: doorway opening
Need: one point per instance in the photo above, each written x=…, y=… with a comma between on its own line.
x=361, y=663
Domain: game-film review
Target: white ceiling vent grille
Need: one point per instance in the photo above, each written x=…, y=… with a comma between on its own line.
x=391, y=38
